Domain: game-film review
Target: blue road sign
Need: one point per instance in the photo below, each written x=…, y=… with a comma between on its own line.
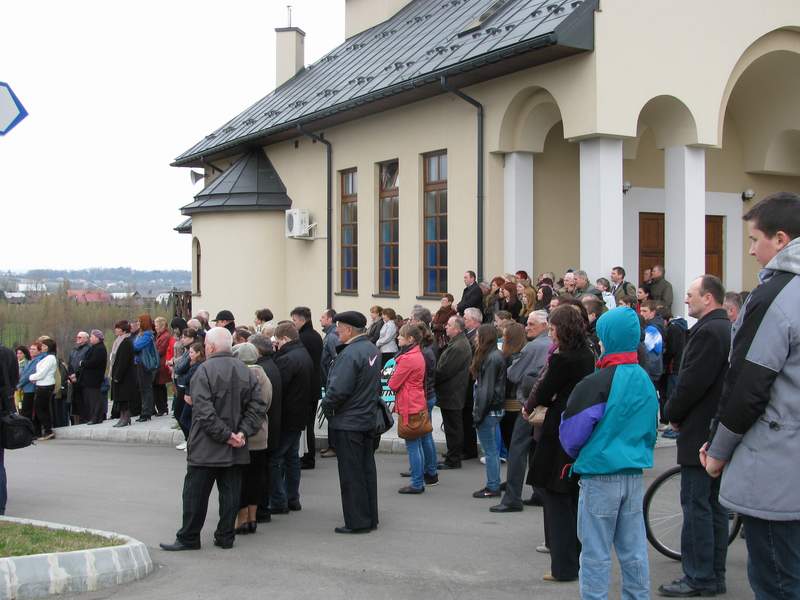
x=11, y=109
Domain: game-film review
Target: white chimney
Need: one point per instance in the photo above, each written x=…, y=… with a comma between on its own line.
x=363, y=14
x=290, y=53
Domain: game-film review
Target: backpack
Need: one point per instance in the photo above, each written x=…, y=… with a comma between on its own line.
x=17, y=431
x=149, y=357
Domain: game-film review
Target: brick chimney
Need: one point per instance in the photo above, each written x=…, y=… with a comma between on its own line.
x=363, y=14
x=290, y=53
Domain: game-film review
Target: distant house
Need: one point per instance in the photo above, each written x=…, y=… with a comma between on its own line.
x=123, y=296
x=89, y=296
x=163, y=297
x=14, y=297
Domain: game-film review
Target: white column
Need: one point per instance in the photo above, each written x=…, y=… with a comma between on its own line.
x=518, y=212
x=601, y=217
x=684, y=219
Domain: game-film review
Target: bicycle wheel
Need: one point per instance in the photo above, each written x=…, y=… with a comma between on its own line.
x=663, y=516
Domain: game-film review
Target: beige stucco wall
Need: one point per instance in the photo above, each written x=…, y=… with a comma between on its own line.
x=644, y=50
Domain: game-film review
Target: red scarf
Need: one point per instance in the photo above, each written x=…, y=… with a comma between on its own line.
x=618, y=358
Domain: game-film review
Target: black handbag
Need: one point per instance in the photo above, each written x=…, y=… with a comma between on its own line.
x=17, y=431
x=384, y=419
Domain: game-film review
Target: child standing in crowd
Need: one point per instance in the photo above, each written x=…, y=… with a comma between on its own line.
x=609, y=425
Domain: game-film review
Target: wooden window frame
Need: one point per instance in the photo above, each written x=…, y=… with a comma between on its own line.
x=347, y=199
x=385, y=194
x=434, y=185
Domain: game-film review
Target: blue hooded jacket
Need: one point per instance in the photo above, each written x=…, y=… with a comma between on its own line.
x=611, y=416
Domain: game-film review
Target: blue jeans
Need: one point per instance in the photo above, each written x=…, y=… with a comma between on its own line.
x=610, y=513
x=773, y=558
x=3, y=490
x=487, y=437
x=416, y=460
x=502, y=451
x=284, y=465
x=704, y=536
x=428, y=445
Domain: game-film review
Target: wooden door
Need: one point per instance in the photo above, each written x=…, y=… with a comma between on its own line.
x=651, y=241
x=714, y=245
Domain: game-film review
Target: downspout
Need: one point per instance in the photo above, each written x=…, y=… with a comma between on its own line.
x=329, y=239
x=479, y=106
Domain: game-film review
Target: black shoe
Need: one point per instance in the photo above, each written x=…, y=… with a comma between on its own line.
x=405, y=474
x=444, y=466
x=178, y=546
x=121, y=423
x=534, y=500
x=223, y=545
x=263, y=518
x=410, y=490
x=431, y=479
x=503, y=486
x=486, y=493
x=681, y=589
x=279, y=511
x=243, y=529
x=295, y=506
x=348, y=530
x=142, y=419
x=306, y=465
x=503, y=508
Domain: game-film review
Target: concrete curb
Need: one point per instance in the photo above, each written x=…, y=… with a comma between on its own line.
x=41, y=575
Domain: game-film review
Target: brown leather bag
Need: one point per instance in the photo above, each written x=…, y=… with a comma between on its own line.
x=419, y=424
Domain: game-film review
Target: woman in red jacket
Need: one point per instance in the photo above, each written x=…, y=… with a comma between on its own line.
x=408, y=384
x=164, y=345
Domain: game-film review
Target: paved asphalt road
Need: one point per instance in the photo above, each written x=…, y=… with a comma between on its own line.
x=440, y=544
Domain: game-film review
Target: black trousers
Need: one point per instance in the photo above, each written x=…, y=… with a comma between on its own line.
x=196, y=489
x=453, y=422
x=470, y=437
x=358, y=478
x=309, y=458
x=561, y=533
x=97, y=403
x=254, y=479
x=41, y=403
x=160, y=398
x=178, y=404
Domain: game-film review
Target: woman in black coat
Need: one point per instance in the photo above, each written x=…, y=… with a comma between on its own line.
x=123, y=377
x=91, y=373
x=572, y=361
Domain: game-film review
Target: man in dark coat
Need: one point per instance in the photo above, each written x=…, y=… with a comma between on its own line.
x=266, y=361
x=227, y=408
x=472, y=296
x=9, y=376
x=690, y=408
x=472, y=320
x=301, y=317
x=80, y=408
x=91, y=372
x=452, y=378
x=351, y=401
x=297, y=375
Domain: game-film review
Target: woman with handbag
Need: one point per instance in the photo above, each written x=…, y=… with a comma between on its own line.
x=569, y=364
x=408, y=384
x=489, y=370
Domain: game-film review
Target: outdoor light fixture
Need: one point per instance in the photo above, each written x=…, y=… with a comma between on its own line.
x=748, y=194
x=626, y=186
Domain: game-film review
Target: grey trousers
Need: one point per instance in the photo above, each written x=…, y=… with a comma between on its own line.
x=521, y=439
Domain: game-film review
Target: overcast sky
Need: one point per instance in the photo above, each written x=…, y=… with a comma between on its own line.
x=115, y=91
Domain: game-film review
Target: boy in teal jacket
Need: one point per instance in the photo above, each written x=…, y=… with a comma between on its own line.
x=609, y=426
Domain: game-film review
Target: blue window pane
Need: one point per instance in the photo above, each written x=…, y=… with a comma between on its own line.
x=386, y=256
x=442, y=201
x=386, y=277
x=395, y=256
x=430, y=203
x=430, y=228
x=443, y=254
x=443, y=228
x=395, y=280
x=386, y=232
x=348, y=280
x=430, y=255
x=347, y=235
x=431, y=283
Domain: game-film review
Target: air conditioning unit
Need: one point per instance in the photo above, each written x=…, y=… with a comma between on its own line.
x=297, y=223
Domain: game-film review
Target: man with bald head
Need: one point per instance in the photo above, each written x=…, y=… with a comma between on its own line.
x=227, y=408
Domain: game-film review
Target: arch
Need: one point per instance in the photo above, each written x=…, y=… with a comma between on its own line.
x=527, y=120
x=783, y=39
x=670, y=120
x=196, y=266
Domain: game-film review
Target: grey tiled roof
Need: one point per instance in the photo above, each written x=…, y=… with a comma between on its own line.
x=251, y=183
x=425, y=39
x=184, y=226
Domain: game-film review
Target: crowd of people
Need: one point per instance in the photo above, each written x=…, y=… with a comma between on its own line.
x=565, y=381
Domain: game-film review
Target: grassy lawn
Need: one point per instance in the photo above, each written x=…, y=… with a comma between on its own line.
x=18, y=540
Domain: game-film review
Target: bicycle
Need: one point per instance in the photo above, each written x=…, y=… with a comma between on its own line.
x=663, y=516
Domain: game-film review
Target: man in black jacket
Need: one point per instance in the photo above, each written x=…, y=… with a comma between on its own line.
x=452, y=378
x=296, y=370
x=472, y=296
x=690, y=409
x=351, y=401
x=266, y=361
x=9, y=376
x=301, y=317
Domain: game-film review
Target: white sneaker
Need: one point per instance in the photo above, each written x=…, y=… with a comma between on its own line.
x=181, y=446
x=541, y=548
x=483, y=460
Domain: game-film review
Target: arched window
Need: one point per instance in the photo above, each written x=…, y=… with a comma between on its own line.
x=196, y=266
